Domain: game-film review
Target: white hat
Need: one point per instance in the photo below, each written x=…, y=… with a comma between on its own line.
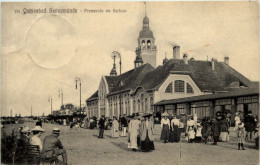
x=56, y=130
x=37, y=128
x=165, y=114
x=26, y=129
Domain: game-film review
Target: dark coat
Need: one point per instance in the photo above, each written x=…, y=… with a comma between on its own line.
x=215, y=128
x=101, y=123
x=124, y=122
x=224, y=125
x=250, y=123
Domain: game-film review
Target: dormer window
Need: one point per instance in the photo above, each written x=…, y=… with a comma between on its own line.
x=178, y=86
x=169, y=88
x=189, y=88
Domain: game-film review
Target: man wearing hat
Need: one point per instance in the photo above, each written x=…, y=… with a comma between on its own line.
x=124, y=125
x=101, y=124
x=216, y=127
x=52, y=146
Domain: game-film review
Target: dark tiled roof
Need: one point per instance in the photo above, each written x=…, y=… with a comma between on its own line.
x=236, y=93
x=93, y=97
x=131, y=79
x=200, y=71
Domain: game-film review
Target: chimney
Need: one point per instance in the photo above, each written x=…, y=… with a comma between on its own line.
x=213, y=63
x=226, y=60
x=176, y=52
x=185, y=59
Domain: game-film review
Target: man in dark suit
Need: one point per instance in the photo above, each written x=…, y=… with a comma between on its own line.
x=124, y=125
x=52, y=146
x=216, y=127
x=101, y=125
x=250, y=126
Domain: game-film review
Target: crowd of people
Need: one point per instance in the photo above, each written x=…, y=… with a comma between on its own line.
x=140, y=128
x=50, y=147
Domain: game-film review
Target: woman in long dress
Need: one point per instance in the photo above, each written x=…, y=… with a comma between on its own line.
x=224, y=126
x=134, y=128
x=147, y=134
x=175, y=123
x=115, y=128
x=165, y=125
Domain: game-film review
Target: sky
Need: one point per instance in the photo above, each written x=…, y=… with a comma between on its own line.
x=42, y=53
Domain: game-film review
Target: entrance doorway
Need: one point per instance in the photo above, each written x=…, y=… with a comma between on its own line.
x=245, y=108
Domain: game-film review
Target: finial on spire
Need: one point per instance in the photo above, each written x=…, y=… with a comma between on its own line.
x=145, y=7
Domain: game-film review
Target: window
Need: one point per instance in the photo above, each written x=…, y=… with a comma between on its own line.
x=142, y=103
x=134, y=106
x=169, y=88
x=146, y=105
x=151, y=103
x=179, y=86
x=138, y=105
x=148, y=44
x=189, y=88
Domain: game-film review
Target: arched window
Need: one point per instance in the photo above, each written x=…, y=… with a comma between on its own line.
x=146, y=105
x=138, y=105
x=178, y=86
x=189, y=88
x=151, y=103
x=143, y=43
x=134, y=107
x=142, y=103
x=169, y=88
x=148, y=44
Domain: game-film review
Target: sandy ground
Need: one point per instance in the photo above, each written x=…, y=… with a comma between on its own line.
x=83, y=147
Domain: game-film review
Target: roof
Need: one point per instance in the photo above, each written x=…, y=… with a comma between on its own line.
x=129, y=80
x=236, y=93
x=93, y=97
x=146, y=33
x=201, y=72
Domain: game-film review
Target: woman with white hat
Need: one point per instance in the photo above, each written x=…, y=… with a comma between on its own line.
x=165, y=125
x=35, y=139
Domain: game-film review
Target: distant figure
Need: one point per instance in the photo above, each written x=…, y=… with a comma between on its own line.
x=191, y=134
x=134, y=128
x=198, y=136
x=250, y=126
x=147, y=134
x=35, y=139
x=124, y=125
x=39, y=123
x=241, y=136
x=101, y=124
x=237, y=120
x=195, y=118
x=52, y=146
x=115, y=128
x=175, y=123
x=216, y=128
x=224, y=129
x=165, y=126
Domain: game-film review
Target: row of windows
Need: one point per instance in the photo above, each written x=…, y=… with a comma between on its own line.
x=179, y=87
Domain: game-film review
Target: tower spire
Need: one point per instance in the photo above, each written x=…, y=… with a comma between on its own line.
x=145, y=7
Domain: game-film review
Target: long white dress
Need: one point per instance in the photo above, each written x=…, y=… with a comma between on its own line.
x=115, y=129
x=134, y=127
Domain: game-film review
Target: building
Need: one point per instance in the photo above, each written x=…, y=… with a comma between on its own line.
x=177, y=86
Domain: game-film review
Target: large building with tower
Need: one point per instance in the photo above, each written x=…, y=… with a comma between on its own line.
x=178, y=85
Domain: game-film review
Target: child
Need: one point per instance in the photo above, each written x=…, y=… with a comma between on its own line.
x=240, y=135
x=191, y=134
x=198, y=133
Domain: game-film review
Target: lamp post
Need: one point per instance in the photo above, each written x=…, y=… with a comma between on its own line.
x=114, y=55
x=77, y=79
x=61, y=96
x=50, y=100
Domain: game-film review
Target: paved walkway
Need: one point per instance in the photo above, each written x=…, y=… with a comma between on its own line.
x=83, y=147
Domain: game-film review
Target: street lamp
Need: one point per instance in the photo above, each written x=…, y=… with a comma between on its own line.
x=77, y=79
x=61, y=96
x=114, y=55
x=50, y=100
